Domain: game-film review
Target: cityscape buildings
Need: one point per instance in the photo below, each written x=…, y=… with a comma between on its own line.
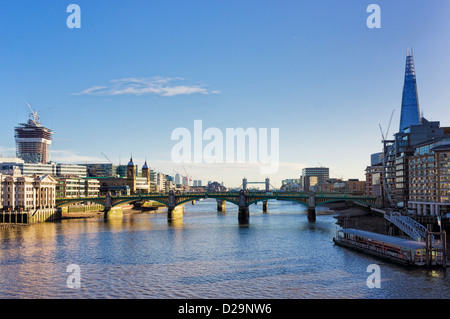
x=312, y=177
x=33, y=140
x=412, y=173
x=54, y=169
x=105, y=170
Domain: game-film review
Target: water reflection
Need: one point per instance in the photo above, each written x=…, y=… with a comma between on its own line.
x=205, y=254
x=176, y=223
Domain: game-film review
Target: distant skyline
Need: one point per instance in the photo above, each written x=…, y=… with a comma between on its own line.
x=137, y=70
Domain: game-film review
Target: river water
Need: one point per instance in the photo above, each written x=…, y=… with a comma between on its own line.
x=205, y=255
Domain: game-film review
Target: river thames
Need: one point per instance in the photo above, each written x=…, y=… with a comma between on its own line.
x=205, y=255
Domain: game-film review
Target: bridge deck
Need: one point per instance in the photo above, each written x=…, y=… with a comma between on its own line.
x=308, y=199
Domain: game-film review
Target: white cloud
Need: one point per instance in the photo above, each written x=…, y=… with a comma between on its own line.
x=71, y=157
x=7, y=151
x=163, y=86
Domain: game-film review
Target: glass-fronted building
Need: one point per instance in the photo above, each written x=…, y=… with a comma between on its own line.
x=410, y=114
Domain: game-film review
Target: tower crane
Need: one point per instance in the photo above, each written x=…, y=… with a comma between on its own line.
x=189, y=178
x=183, y=177
x=383, y=136
x=386, y=193
x=106, y=157
x=33, y=115
x=390, y=121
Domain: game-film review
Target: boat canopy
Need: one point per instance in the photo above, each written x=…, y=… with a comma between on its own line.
x=406, y=243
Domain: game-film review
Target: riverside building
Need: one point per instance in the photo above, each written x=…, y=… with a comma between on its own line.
x=429, y=180
x=413, y=130
x=24, y=193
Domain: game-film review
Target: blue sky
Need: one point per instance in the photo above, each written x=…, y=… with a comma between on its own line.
x=313, y=69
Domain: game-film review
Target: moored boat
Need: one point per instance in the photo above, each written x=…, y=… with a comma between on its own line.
x=399, y=250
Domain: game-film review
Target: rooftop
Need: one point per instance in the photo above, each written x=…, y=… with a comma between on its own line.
x=384, y=238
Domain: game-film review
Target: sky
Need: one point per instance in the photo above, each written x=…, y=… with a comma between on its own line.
x=135, y=71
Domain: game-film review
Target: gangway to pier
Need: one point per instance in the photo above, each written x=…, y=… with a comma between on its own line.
x=409, y=226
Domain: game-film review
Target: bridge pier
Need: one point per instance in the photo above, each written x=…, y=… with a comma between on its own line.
x=113, y=213
x=175, y=212
x=244, y=211
x=265, y=204
x=311, y=214
x=312, y=207
x=221, y=206
x=244, y=214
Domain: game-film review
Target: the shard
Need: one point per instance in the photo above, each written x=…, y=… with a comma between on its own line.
x=410, y=101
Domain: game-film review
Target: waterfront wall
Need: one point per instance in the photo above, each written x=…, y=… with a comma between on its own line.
x=35, y=216
x=82, y=208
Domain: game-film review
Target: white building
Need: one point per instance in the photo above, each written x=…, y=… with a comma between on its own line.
x=21, y=192
x=54, y=169
x=77, y=187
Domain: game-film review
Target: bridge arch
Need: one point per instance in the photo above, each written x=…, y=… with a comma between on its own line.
x=281, y=199
x=78, y=200
x=129, y=200
x=206, y=197
x=346, y=200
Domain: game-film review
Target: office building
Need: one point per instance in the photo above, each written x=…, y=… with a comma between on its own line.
x=33, y=140
x=376, y=159
x=53, y=169
x=71, y=170
x=106, y=170
x=77, y=187
x=312, y=177
x=410, y=100
x=197, y=183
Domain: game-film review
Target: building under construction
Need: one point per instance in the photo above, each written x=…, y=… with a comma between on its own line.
x=33, y=140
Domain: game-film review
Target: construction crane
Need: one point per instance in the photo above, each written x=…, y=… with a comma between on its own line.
x=390, y=121
x=386, y=194
x=34, y=117
x=189, y=178
x=106, y=157
x=384, y=136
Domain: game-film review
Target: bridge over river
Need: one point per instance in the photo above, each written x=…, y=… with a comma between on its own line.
x=243, y=199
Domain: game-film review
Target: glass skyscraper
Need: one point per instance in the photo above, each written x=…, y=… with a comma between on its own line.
x=410, y=101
